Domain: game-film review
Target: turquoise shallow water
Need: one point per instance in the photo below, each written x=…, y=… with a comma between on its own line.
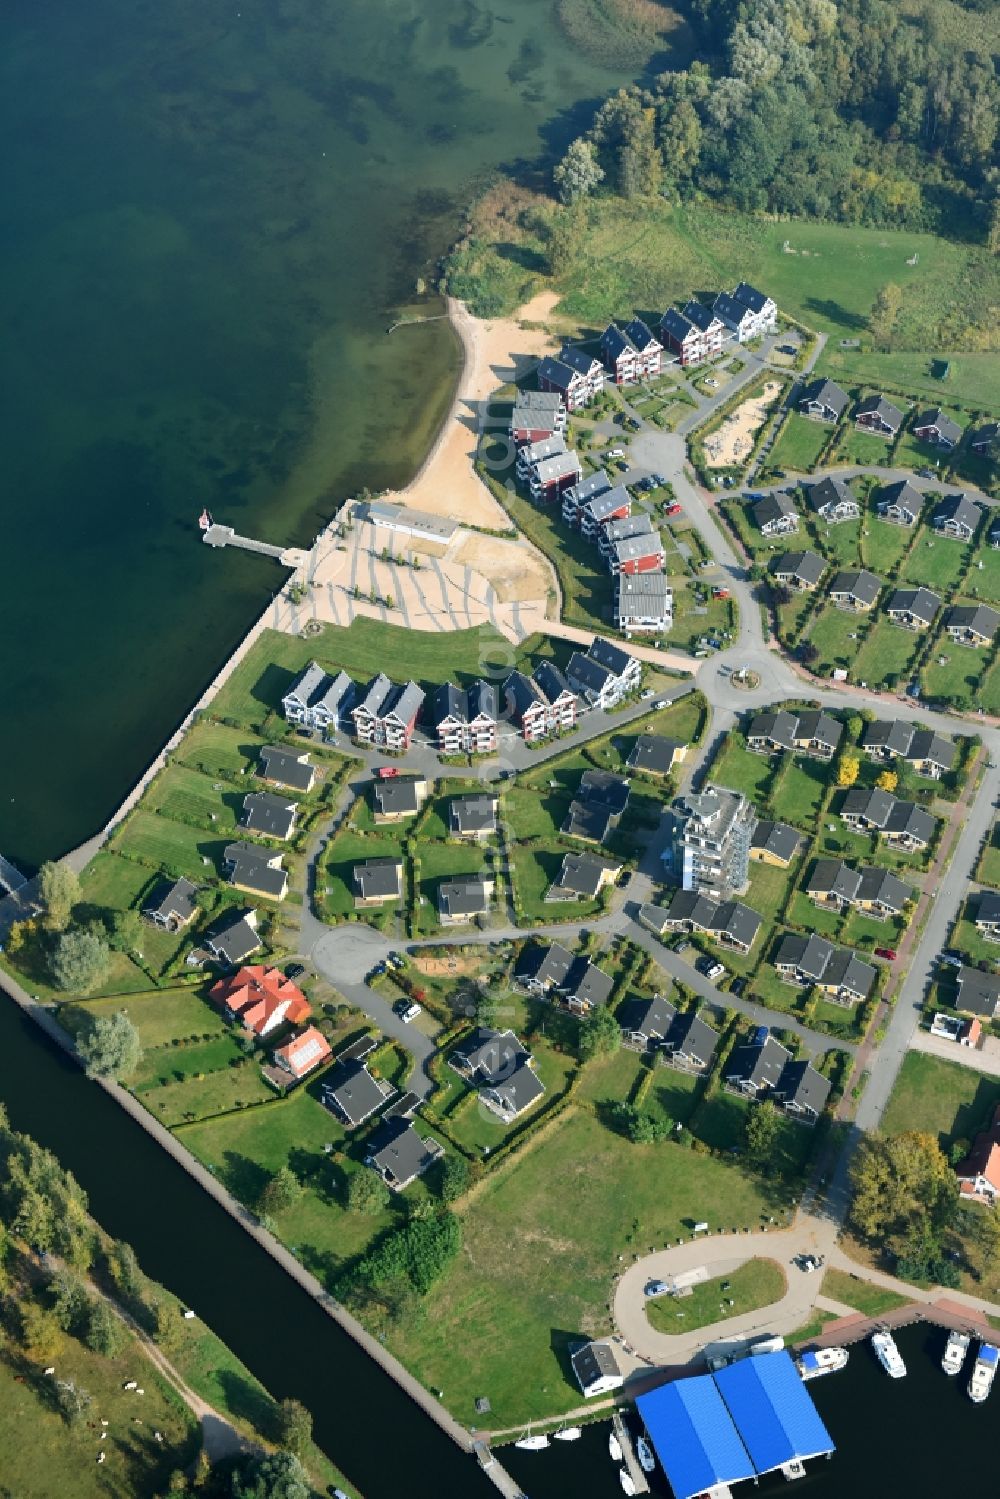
x=212, y=210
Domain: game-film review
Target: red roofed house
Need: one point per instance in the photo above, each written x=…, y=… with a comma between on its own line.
x=979, y=1174
x=970, y=1032
x=261, y=999
x=303, y=1052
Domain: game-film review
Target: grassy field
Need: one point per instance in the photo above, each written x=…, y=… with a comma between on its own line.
x=834, y=633
x=857, y=446
x=363, y=648
x=535, y=814
x=741, y=769
x=935, y=562
x=988, y=871
x=534, y=868
x=541, y=1247
x=111, y=883
x=866, y=1298
x=950, y=1100
x=346, y=850
x=162, y=1016
x=173, y=847
x=954, y=671
x=188, y=796
x=756, y=1284
x=883, y=545
x=799, y=791
x=888, y=650
x=799, y=445
x=913, y=452
x=443, y=861
x=974, y=378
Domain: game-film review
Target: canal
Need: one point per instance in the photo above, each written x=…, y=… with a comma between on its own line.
x=368, y=1426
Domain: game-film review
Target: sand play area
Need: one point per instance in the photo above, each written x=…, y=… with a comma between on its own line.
x=515, y=569
x=733, y=443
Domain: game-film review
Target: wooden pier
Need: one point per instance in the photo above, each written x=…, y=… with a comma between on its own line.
x=632, y=1463
x=225, y=536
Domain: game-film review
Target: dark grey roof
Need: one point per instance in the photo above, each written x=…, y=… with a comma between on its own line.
x=290, y=767
x=447, y=702
x=772, y=507
x=235, y=939
x=737, y=922
x=920, y=602
x=253, y=868
x=847, y=971
x=590, y=820
x=907, y=817
x=701, y=316
x=960, y=509
x=374, y=697
x=834, y=877
x=819, y=727
x=859, y=584
x=615, y=343
x=988, y=907
x=468, y=896
x=809, y=567
x=881, y=885
x=891, y=734
x=351, y=1091
x=777, y=728
x=594, y=1361
x=489, y=1054
x=756, y=300
x=690, y=1036
x=828, y=493
x=607, y=502
x=979, y=993
x=550, y=680
x=588, y=488
x=610, y=655
x=583, y=874
x=546, y=965
x=976, y=618
x=777, y=838
x=519, y=1089
x=176, y=901
x=556, y=372
x=800, y=1084
x=676, y=325
x=730, y=309
x=268, y=814
x=640, y=335
x=759, y=1063
x=810, y=955
x=926, y=745
x=651, y=1018
x=587, y=675
x=944, y=424
x=824, y=393
x=404, y=703
x=378, y=877
x=534, y=402
x=691, y=905
x=473, y=814
x=655, y=753
x=902, y=494
x=577, y=359
x=986, y=436
x=397, y=797
x=872, y=804
x=483, y=700
x=879, y=406
x=398, y=1152
x=521, y=693
x=605, y=787
x=588, y=983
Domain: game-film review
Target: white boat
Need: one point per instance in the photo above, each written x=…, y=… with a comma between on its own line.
x=568, y=1434
x=614, y=1447
x=955, y=1350
x=983, y=1371
x=626, y=1480
x=529, y=1443
x=818, y=1361
x=888, y=1354
x=644, y=1452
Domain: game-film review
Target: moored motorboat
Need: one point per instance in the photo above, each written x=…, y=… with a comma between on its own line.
x=529, y=1443
x=626, y=1480
x=818, y=1361
x=983, y=1371
x=955, y=1350
x=568, y=1434
x=644, y=1452
x=888, y=1354
x=614, y=1447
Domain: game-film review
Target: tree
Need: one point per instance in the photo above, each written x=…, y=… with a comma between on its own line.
x=102, y=1332
x=902, y=1188
x=275, y=1475
x=280, y=1193
x=79, y=961
x=124, y=930
x=38, y=1332
x=638, y=1126
x=577, y=175
x=760, y=1131
x=808, y=652
x=295, y=1426
x=847, y=770
x=993, y=232
x=564, y=240
x=58, y=891
x=600, y=1035
x=125, y=1270
x=73, y=1401
x=454, y=1177
x=111, y=1047
x=367, y=1193
x=887, y=780
x=70, y=1301
x=884, y=315
x=781, y=594
x=166, y=1328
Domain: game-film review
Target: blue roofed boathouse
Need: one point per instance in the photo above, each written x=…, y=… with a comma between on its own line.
x=746, y=1420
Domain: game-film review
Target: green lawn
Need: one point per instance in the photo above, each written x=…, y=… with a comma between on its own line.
x=174, y=848
x=200, y=1095
x=443, y=861
x=983, y=578
x=858, y=446
x=534, y=813
x=534, y=868
x=834, y=633
x=167, y=1016
x=967, y=939
x=952, y=1101
x=217, y=750
x=799, y=445
x=188, y=796
x=741, y=769
x=974, y=378
x=756, y=1284
x=479, y=1131
x=802, y=912
x=541, y=1247
x=988, y=871
x=695, y=617
x=798, y=792
x=111, y=883
x=721, y=1122
x=335, y=883
x=954, y=671
x=870, y=1300
x=883, y=544
x=936, y=562
x=988, y=695
x=362, y=649
x=888, y=651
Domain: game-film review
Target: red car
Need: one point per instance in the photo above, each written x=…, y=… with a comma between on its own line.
x=886, y=952
x=674, y=509
x=720, y=593
x=386, y=772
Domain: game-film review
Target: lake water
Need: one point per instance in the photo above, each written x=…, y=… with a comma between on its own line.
x=212, y=210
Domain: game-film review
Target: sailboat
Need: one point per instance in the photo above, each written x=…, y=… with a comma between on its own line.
x=626, y=1480
x=529, y=1443
x=568, y=1434
x=614, y=1447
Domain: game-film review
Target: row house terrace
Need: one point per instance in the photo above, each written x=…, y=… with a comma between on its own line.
x=387, y=713
x=542, y=704
x=631, y=353
x=465, y=719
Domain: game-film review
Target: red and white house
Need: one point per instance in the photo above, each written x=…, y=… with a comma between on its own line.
x=648, y=349
x=465, y=719
x=587, y=366
x=613, y=504
x=712, y=329
x=620, y=355
x=552, y=476
x=537, y=415
x=304, y=1052
x=541, y=704
x=533, y=453
x=637, y=554
x=581, y=494
x=387, y=713
x=261, y=999
x=572, y=388
x=681, y=336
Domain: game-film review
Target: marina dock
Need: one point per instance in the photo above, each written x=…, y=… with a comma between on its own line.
x=628, y=1453
x=224, y=536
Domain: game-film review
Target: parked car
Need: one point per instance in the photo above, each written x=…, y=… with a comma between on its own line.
x=660, y=705
x=396, y=960
x=674, y=509
x=646, y=694
x=952, y=959
x=615, y=453
x=710, y=967
x=809, y=1262
x=886, y=952
x=738, y=987
x=294, y=971
x=720, y=593
x=387, y=772
x=407, y=1010
x=656, y=1288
